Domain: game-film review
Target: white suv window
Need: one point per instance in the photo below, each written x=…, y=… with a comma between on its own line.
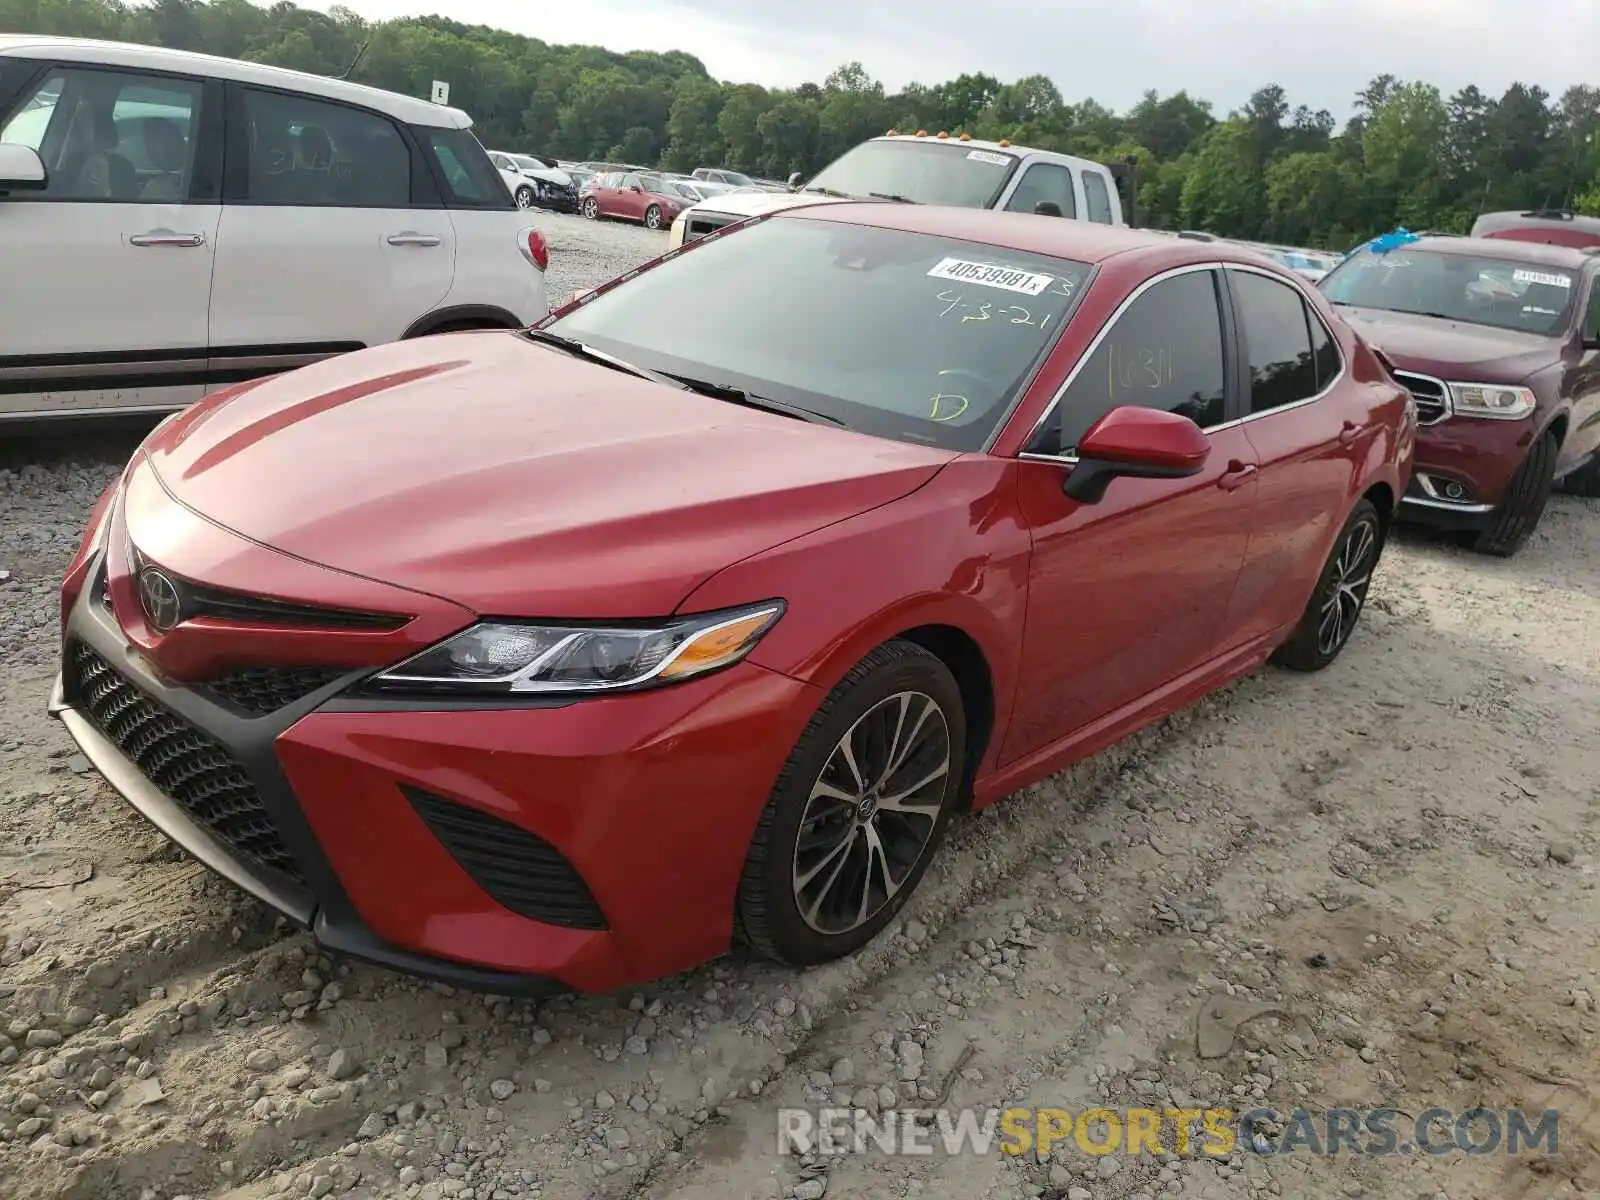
x=309, y=153
x=1097, y=197
x=105, y=135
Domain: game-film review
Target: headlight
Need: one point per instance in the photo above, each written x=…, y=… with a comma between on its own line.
x=1492, y=400
x=526, y=658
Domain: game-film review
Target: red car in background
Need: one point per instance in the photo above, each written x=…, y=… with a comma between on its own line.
x=636, y=635
x=633, y=196
x=1499, y=341
x=1553, y=226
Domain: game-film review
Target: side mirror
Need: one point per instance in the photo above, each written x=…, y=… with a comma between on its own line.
x=1047, y=208
x=21, y=169
x=1141, y=443
x=794, y=179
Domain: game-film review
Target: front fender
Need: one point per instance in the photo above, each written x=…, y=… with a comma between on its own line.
x=954, y=553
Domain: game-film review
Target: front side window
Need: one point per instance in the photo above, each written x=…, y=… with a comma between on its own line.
x=948, y=173
x=108, y=136
x=1044, y=183
x=470, y=178
x=1591, y=320
x=1277, y=337
x=1097, y=197
x=1501, y=293
x=902, y=335
x=1164, y=351
x=314, y=154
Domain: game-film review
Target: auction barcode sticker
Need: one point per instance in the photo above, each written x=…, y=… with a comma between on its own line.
x=990, y=157
x=1560, y=281
x=988, y=275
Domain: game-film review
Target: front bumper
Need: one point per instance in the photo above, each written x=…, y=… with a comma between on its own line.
x=556, y=199
x=641, y=807
x=1463, y=467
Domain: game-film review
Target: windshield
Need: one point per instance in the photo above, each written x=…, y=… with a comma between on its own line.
x=946, y=173
x=527, y=163
x=1500, y=293
x=903, y=335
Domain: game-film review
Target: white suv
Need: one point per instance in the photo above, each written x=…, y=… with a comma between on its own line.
x=173, y=223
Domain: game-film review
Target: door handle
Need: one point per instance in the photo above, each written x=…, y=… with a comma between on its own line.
x=1349, y=433
x=1236, y=476
x=165, y=237
x=414, y=239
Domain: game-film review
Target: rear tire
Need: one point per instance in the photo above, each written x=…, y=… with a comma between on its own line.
x=1340, y=596
x=1518, y=515
x=885, y=753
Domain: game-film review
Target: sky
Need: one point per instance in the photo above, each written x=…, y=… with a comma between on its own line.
x=1321, y=51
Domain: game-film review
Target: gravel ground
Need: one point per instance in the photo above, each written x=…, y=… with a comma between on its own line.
x=1395, y=859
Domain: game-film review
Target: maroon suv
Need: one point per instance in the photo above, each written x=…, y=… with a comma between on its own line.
x=1499, y=341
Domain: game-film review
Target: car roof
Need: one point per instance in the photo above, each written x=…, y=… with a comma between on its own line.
x=1534, y=253
x=972, y=143
x=1056, y=237
x=155, y=58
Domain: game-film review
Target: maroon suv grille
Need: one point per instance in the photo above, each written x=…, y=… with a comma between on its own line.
x=191, y=768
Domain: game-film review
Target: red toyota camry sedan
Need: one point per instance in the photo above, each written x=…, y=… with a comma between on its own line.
x=575, y=656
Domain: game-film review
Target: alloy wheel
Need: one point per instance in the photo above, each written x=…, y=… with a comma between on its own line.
x=872, y=812
x=1346, y=590
x=524, y=197
x=652, y=218
x=591, y=209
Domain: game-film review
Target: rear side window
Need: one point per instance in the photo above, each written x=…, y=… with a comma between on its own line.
x=1277, y=337
x=469, y=177
x=1097, y=198
x=314, y=154
x=1324, y=351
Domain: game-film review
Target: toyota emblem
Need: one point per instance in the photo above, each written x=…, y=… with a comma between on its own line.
x=158, y=597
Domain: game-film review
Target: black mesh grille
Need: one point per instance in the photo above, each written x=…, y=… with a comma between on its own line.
x=192, y=769
x=262, y=690
x=524, y=873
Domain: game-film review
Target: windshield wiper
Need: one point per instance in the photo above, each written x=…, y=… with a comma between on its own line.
x=891, y=196
x=748, y=399
x=579, y=350
x=834, y=192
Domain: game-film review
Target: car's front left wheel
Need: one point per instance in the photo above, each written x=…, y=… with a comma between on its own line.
x=857, y=811
x=524, y=197
x=652, y=217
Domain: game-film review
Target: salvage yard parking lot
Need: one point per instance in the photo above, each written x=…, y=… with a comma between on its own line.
x=1396, y=858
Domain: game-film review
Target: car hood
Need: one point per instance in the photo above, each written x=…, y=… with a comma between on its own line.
x=1453, y=350
x=550, y=175
x=516, y=480
x=756, y=204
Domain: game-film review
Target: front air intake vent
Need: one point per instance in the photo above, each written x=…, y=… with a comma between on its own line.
x=518, y=870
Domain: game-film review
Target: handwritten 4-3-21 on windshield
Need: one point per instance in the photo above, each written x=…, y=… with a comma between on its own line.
x=957, y=307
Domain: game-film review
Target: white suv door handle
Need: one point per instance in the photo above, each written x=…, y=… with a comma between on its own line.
x=165, y=237
x=414, y=239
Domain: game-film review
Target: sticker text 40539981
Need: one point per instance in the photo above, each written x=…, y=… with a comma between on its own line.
x=1039, y=311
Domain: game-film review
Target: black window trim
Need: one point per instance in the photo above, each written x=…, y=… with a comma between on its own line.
x=236, y=166
x=1231, y=375
x=1242, y=353
x=206, y=175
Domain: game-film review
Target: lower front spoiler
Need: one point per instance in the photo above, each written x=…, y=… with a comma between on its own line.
x=1439, y=514
x=353, y=941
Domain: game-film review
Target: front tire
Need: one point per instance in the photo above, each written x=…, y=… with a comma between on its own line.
x=524, y=197
x=1514, y=521
x=1340, y=596
x=858, y=810
x=652, y=217
x=591, y=209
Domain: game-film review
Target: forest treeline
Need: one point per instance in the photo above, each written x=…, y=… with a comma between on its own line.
x=1271, y=170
